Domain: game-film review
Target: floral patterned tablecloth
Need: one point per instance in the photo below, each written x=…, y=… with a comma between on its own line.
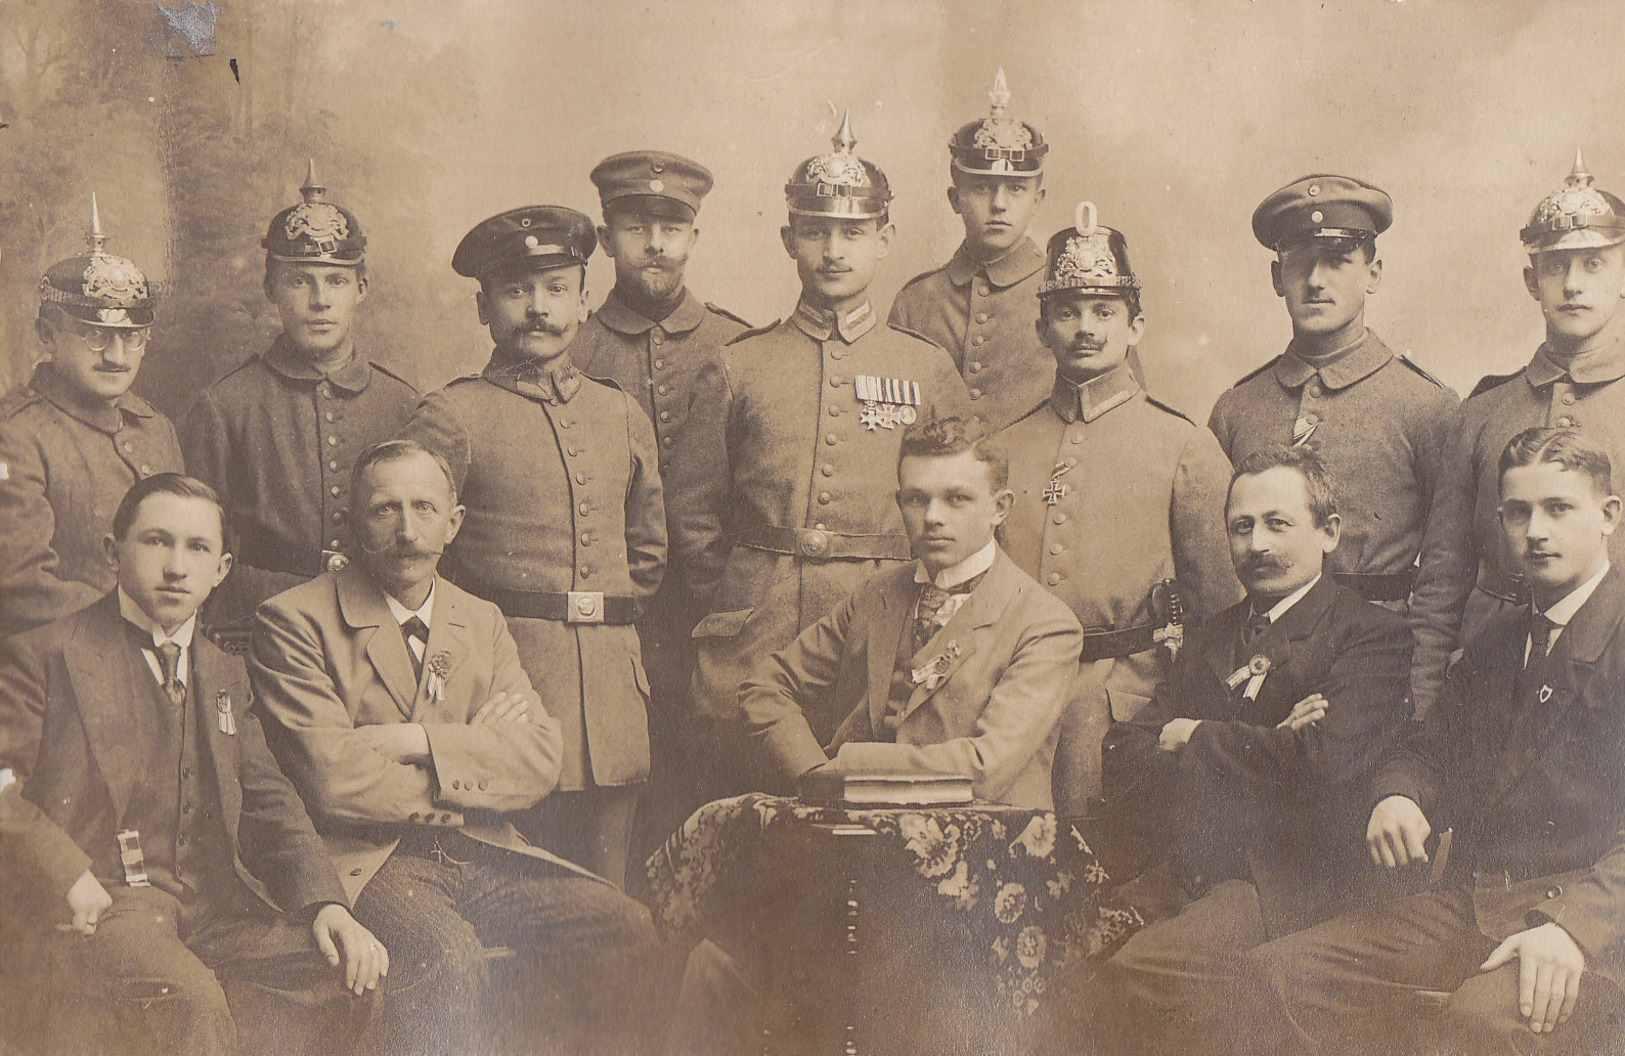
x=1029, y=896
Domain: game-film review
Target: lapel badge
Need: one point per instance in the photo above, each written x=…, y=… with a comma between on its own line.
x=1253, y=673
x=222, y=707
x=1545, y=694
x=439, y=667
x=887, y=402
x=930, y=676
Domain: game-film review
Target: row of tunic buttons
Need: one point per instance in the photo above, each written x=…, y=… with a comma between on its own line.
x=580, y=477
x=415, y=816
x=978, y=340
x=144, y=469
x=468, y=785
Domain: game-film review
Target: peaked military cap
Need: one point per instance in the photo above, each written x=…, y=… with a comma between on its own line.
x=1087, y=257
x=1575, y=216
x=662, y=183
x=1322, y=207
x=839, y=183
x=97, y=287
x=998, y=144
x=315, y=231
x=545, y=236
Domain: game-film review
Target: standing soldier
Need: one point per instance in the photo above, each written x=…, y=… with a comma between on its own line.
x=781, y=488
x=565, y=530
x=1119, y=498
x=1577, y=274
x=74, y=438
x=649, y=337
x=277, y=436
x=1379, y=422
x=981, y=305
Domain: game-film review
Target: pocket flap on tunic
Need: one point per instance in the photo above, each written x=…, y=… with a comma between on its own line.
x=722, y=624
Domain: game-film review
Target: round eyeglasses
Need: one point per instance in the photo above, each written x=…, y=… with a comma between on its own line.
x=98, y=338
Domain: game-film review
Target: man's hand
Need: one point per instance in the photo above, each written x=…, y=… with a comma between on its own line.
x=88, y=900
x=504, y=707
x=399, y=742
x=1306, y=712
x=342, y=940
x=1397, y=832
x=1177, y=733
x=1550, y=964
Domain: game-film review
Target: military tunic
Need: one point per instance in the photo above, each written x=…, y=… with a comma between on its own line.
x=782, y=489
x=277, y=438
x=1381, y=427
x=984, y=315
x=558, y=473
x=1138, y=497
x=1467, y=575
x=65, y=463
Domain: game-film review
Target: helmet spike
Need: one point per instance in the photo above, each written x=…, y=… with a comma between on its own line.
x=95, y=238
x=312, y=191
x=844, y=141
x=1000, y=95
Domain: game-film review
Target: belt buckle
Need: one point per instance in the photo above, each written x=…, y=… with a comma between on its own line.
x=584, y=606
x=334, y=561
x=812, y=542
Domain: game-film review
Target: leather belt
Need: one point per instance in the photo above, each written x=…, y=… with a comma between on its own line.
x=817, y=544
x=1508, y=586
x=291, y=560
x=1102, y=645
x=1379, y=586
x=575, y=606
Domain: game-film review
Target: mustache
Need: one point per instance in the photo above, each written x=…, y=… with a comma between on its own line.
x=1264, y=564
x=1087, y=346
x=404, y=551
x=539, y=326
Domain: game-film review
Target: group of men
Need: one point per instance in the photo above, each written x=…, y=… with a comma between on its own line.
x=503, y=638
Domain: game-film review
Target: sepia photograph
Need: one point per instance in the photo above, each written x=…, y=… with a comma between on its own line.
x=812, y=526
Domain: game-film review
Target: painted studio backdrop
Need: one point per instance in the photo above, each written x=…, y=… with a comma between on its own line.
x=193, y=123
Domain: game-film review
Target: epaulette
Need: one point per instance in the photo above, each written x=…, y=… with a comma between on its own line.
x=726, y=314
x=253, y=358
x=1409, y=362
x=1492, y=381
x=17, y=399
x=1170, y=408
x=1036, y=408
x=756, y=331
x=380, y=368
x=922, y=276
x=915, y=333
x=1245, y=378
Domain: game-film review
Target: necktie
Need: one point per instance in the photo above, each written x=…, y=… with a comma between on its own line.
x=169, y=660
x=414, y=627
x=932, y=598
x=1256, y=625
x=1540, y=638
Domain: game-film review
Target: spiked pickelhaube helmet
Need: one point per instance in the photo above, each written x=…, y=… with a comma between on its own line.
x=998, y=144
x=97, y=287
x=316, y=231
x=1575, y=216
x=839, y=183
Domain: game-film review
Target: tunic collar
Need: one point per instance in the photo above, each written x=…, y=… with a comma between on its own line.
x=1588, y=368
x=557, y=383
x=353, y=376
x=1094, y=397
x=1338, y=370
x=1022, y=260
x=622, y=318
x=95, y=413
x=821, y=324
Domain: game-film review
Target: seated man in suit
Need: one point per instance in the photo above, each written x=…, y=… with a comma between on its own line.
x=958, y=662
x=1248, y=767
x=396, y=702
x=1523, y=759
x=147, y=821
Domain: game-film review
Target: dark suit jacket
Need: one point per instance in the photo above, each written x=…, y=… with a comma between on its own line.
x=1534, y=790
x=65, y=731
x=1011, y=653
x=1243, y=799
x=328, y=659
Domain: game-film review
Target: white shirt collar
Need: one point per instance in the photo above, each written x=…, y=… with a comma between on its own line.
x=424, y=611
x=1563, y=610
x=1280, y=608
x=138, y=616
x=953, y=575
